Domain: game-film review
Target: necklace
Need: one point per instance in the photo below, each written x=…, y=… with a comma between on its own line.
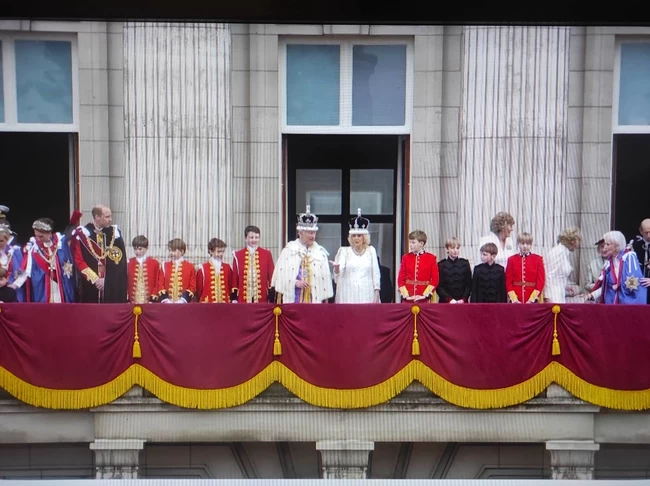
x=357, y=253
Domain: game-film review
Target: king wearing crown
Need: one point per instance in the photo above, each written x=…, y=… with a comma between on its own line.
x=302, y=273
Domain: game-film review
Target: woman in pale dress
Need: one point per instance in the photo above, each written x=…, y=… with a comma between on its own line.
x=500, y=228
x=356, y=267
x=558, y=268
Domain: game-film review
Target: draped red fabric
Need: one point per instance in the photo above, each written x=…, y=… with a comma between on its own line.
x=607, y=345
x=356, y=346
x=344, y=346
x=486, y=345
x=206, y=345
x=66, y=346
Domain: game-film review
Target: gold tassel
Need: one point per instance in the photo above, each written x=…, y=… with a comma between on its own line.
x=556, y=344
x=415, y=348
x=137, y=352
x=277, y=345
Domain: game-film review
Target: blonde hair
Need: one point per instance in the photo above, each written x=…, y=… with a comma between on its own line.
x=525, y=238
x=570, y=236
x=452, y=242
x=366, y=239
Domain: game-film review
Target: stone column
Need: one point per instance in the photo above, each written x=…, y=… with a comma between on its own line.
x=513, y=149
x=572, y=459
x=344, y=459
x=116, y=459
x=177, y=135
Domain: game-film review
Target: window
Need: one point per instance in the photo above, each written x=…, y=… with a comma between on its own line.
x=632, y=87
x=353, y=87
x=38, y=78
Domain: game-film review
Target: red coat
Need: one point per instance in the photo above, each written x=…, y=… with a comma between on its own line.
x=418, y=275
x=211, y=287
x=152, y=275
x=525, y=277
x=179, y=284
x=241, y=263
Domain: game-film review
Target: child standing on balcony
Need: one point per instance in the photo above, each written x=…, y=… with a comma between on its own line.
x=418, y=271
x=455, y=275
x=144, y=273
x=214, y=281
x=525, y=273
x=179, y=275
x=489, y=280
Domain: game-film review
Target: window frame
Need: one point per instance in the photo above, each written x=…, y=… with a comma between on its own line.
x=345, y=85
x=11, y=123
x=616, y=128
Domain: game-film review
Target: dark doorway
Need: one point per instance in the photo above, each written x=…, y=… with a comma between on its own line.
x=631, y=179
x=336, y=175
x=36, y=179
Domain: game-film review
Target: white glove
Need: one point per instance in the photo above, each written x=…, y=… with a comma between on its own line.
x=453, y=301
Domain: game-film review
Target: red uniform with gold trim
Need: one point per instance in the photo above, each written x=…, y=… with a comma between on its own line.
x=146, y=283
x=213, y=287
x=261, y=264
x=179, y=281
x=525, y=277
x=418, y=275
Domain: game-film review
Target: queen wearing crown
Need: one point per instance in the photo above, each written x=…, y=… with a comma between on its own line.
x=302, y=273
x=356, y=267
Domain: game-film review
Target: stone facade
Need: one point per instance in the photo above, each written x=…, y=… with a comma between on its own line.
x=201, y=101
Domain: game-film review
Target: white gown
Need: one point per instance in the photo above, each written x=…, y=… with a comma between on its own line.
x=557, y=269
x=358, y=276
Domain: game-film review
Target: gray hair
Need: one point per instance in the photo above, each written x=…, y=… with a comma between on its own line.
x=617, y=238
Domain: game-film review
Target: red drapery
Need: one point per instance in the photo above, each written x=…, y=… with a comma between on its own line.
x=345, y=355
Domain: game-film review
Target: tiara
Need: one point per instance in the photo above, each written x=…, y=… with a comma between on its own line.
x=41, y=226
x=359, y=225
x=307, y=221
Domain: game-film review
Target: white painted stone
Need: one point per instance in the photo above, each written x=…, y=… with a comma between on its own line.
x=167, y=138
x=576, y=88
x=452, y=51
x=115, y=58
x=556, y=391
x=572, y=459
x=600, y=52
x=514, y=131
x=344, y=459
x=598, y=88
x=597, y=160
x=116, y=459
x=597, y=125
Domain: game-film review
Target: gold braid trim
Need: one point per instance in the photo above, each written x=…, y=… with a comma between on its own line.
x=245, y=286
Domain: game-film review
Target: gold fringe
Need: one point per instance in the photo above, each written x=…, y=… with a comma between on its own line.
x=277, y=345
x=555, y=348
x=206, y=399
x=348, y=398
x=415, y=347
x=137, y=352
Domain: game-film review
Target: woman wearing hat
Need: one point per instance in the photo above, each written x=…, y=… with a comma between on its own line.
x=356, y=267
